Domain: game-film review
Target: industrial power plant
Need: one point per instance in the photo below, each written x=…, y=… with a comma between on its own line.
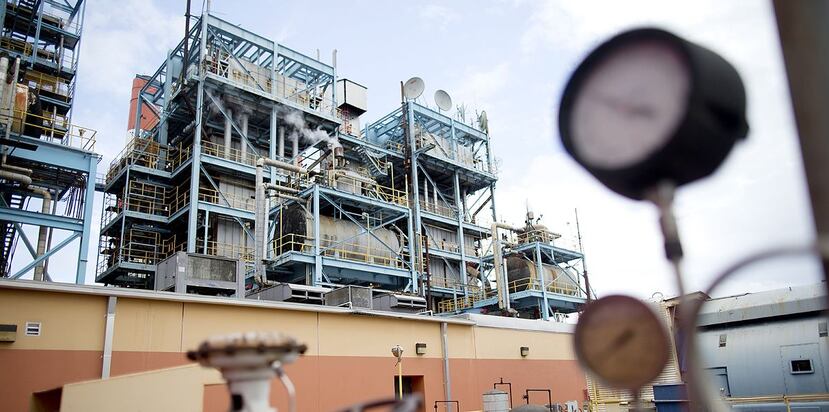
x=262, y=242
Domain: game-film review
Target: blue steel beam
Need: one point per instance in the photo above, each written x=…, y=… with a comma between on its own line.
x=45, y=256
x=58, y=155
x=41, y=219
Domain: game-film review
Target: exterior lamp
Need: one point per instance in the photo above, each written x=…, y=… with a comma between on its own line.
x=525, y=351
x=420, y=348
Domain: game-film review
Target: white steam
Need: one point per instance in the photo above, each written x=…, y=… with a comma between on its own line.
x=308, y=135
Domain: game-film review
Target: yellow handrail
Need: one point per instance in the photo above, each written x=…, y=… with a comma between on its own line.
x=56, y=127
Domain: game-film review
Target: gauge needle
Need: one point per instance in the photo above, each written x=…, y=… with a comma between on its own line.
x=616, y=345
x=631, y=110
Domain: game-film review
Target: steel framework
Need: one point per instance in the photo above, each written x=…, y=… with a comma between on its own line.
x=41, y=39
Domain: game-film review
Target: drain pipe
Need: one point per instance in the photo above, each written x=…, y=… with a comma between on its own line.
x=260, y=212
x=500, y=273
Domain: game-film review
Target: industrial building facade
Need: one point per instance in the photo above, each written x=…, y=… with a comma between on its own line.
x=247, y=166
x=69, y=334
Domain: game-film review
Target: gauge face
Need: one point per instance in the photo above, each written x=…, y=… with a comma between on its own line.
x=630, y=103
x=621, y=341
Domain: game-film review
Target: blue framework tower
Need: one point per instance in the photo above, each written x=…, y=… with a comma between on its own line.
x=48, y=165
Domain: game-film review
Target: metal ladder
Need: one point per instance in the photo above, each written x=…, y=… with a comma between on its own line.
x=9, y=235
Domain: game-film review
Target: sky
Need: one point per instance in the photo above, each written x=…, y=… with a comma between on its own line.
x=512, y=59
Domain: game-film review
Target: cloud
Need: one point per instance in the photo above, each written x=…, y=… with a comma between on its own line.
x=438, y=16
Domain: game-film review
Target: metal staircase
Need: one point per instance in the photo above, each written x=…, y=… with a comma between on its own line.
x=8, y=234
x=377, y=167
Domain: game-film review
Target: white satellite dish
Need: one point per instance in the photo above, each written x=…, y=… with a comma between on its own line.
x=413, y=88
x=443, y=100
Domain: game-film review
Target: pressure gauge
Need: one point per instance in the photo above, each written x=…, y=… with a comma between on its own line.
x=648, y=106
x=622, y=341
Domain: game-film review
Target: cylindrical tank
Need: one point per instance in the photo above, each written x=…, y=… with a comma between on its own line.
x=363, y=247
x=523, y=272
x=148, y=117
x=496, y=401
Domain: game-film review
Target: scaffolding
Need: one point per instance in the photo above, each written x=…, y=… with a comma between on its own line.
x=49, y=163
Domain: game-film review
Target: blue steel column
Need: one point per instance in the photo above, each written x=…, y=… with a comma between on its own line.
x=415, y=189
x=35, y=43
x=89, y=199
x=195, y=165
x=540, y=269
x=317, y=254
x=461, y=246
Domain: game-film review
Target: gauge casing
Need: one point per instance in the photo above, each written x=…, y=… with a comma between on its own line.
x=713, y=120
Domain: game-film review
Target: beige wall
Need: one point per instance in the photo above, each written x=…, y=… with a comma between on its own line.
x=348, y=358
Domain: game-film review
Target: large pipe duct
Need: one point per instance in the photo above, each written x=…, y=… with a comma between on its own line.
x=17, y=177
x=228, y=133
x=498, y=261
x=43, y=233
x=243, y=141
x=281, y=143
x=261, y=214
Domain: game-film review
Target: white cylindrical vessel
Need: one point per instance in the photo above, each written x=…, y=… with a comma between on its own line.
x=496, y=401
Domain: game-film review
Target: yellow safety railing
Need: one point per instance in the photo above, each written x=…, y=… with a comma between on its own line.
x=139, y=151
x=232, y=154
x=538, y=235
x=438, y=209
x=210, y=195
x=178, y=155
x=178, y=197
x=52, y=128
x=554, y=286
x=42, y=82
x=293, y=242
x=229, y=250
x=364, y=186
x=787, y=400
x=146, y=198
x=444, y=245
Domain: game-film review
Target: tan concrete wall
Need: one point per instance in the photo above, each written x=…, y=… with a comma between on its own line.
x=348, y=358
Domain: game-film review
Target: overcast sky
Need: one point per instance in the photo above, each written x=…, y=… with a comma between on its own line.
x=512, y=58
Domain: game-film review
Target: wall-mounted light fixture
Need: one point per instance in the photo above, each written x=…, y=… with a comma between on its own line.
x=420, y=348
x=525, y=351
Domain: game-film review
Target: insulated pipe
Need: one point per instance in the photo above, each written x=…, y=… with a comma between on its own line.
x=243, y=141
x=281, y=143
x=10, y=168
x=260, y=212
x=17, y=177
x=43, y=233
x=259, y=224
x=228, y=133
x=280, y=188
x=295, y=148
x=500, y=273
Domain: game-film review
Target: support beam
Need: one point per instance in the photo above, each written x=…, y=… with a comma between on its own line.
x=45, y=256
x=545, y=310
x=89, y=199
